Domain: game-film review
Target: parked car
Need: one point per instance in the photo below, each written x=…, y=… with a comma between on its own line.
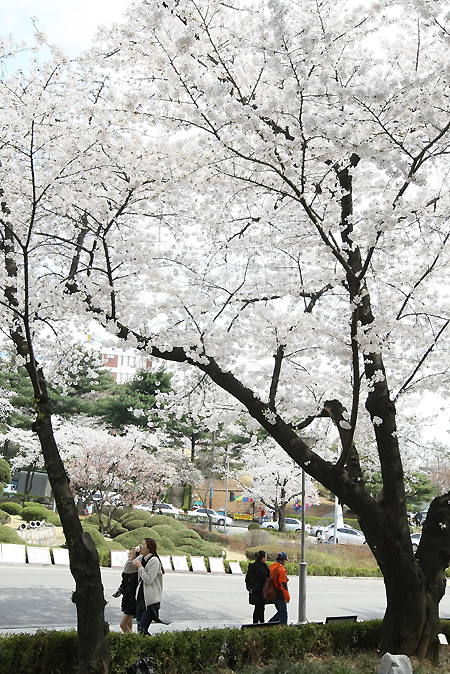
x=344, y=535
x=415, y=540
x=216, y=518
x=166, y=508
x=292, y=524
x=318, y=530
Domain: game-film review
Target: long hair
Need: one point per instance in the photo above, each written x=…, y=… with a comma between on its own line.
x=152, y=546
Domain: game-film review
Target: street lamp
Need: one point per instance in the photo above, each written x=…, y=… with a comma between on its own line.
x=302, y=566
x=226, y=494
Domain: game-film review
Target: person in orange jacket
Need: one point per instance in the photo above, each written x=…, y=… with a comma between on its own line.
x=280, y=581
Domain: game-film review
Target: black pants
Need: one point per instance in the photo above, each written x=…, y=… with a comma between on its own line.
x=258, y=613
x=149, y=615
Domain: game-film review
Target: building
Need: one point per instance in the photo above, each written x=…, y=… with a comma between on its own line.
x=40, y=485
x=122, y=363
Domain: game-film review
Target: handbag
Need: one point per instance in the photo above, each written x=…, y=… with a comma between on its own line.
x=269, y=590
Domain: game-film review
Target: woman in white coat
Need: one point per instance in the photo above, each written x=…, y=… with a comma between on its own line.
x=145, y=562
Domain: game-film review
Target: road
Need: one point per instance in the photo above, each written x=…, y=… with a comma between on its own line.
x=33, y=597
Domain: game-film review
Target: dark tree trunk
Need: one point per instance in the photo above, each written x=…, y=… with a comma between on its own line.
x=282, y=511
x=93, y=649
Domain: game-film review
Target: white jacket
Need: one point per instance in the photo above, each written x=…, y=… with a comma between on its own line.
x=151, y=576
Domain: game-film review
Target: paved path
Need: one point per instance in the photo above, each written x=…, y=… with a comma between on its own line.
x=33, y=597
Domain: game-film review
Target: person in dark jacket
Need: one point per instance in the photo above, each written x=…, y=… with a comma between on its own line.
x=128, y=589
x=256, y=577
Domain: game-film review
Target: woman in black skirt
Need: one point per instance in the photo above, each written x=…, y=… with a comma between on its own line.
x=128, y=588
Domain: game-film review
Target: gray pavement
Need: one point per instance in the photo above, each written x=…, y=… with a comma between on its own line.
x=39, y=597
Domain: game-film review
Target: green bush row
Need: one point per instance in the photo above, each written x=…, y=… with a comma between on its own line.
x=49, y=652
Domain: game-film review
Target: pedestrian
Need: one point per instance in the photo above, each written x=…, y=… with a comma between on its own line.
x=280, y=581
x=255, y=579
x=144, y=561
x=127, y=589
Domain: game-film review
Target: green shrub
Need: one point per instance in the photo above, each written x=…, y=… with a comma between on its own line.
x=34, y=511
x=167, y=547
x=4, y=517
x=11, y=508
x=104, y=557
x=52, y=518
x=133, y=538
x=210, y=536
x=135, y=514
x=97, y=537
x=94, y=519
x=164, y=530
x=8, y=535
x=120, y=512
x=253, y=525
x=136, y=524
x=168, y=520
x=116, y=529
x=193, y=651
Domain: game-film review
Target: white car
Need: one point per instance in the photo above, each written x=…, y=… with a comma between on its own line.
x=292, y=524
x=216, y=518
x=415, y=540
x=344, y=535
x=166, y=508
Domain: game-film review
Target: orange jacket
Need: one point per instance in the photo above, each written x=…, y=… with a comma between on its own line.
x=280, y=579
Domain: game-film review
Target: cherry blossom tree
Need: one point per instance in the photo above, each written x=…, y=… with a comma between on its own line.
x=106, y=469
x=259, y=192
x=276, y=478
x=28, y=457
x=301, y=256
x=39, y=130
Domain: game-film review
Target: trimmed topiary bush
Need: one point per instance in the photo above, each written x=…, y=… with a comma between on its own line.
x=136, y=524
x=8, y=535
x=11, y=508
x=166, y=547
x=135, y=515
x=116, y=529
x=4, y=517
x=34, y=512
x=97, y=537
x=133, y=538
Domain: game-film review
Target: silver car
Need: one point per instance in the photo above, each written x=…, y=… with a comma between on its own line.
x=344, y=535
x=292, y=524
x=216, y=518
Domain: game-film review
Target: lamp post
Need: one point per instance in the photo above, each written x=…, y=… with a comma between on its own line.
x=302, y=566
x=226, y=494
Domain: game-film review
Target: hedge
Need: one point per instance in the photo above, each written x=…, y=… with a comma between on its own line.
x=50, y=652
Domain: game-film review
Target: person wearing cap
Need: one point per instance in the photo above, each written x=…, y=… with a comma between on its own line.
x=280, y=581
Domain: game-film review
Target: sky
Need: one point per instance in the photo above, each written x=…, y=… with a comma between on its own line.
x=70, y=25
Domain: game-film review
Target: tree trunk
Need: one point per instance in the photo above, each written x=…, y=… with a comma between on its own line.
x=282, y=512
x=414, y=584
x=93, y=649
